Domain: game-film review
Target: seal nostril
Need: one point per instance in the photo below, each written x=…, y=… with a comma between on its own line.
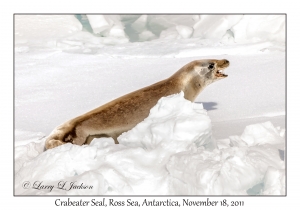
x=226, y=62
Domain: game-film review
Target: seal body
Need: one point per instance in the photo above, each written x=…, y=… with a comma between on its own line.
x=122, y=114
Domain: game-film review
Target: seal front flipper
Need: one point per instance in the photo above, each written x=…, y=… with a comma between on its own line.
x=51, y=143
x=59, y=136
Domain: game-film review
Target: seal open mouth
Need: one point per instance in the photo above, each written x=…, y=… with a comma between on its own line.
x=222, y=64
x=220, y=73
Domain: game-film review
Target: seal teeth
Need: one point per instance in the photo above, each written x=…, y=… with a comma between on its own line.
x=220, y=73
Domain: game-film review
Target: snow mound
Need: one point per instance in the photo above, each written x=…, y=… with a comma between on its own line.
x=173, y=124
x=274, y=182
x=185, y=31
x=170, y=153
x=264, y=133
x=228, y=171
x=215, y=26
x=99, y=23
x=253, y=28
x=107, y=25
x=140, y=24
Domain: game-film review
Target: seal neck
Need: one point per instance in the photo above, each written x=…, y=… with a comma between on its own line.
x=191, y=82
x=193, y=88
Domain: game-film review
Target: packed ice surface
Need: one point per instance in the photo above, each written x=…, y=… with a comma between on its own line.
x=99, y=23
x=171, y=152
x=66, y=66
x=228, y=28
x=115, y=29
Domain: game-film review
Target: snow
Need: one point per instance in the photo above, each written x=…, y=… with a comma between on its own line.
x=98, y=23
x=255, y=134
x=43, y=30
x=170, y=152
x=260, y=27
x=230, y=141
x=185, y=31
x=140, y=24
x=214, y=26
x=173, y=121
x=274, y=182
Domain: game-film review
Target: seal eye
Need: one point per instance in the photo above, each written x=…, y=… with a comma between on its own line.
x=211, y=66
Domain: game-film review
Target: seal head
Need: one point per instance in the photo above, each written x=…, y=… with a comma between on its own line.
x=211, y=70
x=198, y=74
